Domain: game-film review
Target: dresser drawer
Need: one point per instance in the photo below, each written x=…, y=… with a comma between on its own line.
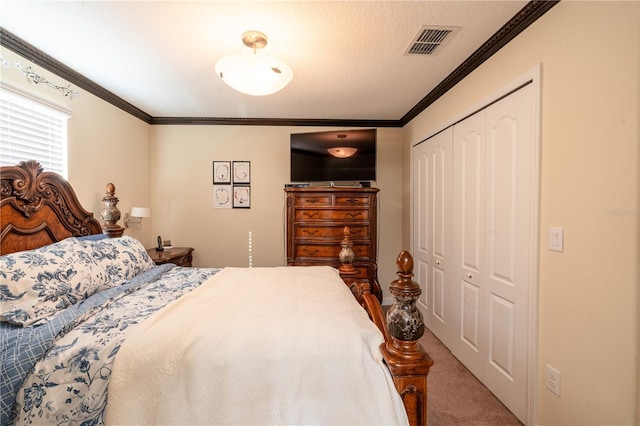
x=350, y=200
x=313, y=200
x=328, y=251
x=362, y=272
x=336, y=232
x=324, y=215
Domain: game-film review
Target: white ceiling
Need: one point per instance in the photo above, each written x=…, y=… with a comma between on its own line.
x=347, y=56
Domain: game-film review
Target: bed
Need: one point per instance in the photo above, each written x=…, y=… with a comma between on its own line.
x=93, y=332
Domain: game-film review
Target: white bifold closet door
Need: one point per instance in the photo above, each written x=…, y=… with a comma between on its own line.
x=432, y=190
x=473, y=238
x=469, y=237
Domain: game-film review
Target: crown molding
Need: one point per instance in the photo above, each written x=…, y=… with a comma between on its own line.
x=525, y=17
x=238, y=121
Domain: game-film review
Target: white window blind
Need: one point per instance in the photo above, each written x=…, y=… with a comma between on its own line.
x=32, y=130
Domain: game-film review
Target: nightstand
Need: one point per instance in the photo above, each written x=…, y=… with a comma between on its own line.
x=181, y=256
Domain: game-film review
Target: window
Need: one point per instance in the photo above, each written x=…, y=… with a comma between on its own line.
x=32, y=130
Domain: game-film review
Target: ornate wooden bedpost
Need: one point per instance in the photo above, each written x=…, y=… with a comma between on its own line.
x=110, y=215
x=408, y=362
x=346, y=256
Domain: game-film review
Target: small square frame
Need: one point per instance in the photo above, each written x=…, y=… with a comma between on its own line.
x=241, y=197
x=241, y=172
x=222, y=197
x=221, y=172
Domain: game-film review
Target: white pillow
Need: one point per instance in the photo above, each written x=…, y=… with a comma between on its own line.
x=122, y=258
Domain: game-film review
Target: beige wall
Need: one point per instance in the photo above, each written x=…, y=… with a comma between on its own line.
x=588, y=295
x=182, y=193
x=114, y=149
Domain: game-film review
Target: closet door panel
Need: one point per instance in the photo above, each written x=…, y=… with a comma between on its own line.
x=433, y=161
x=421, y=276
x=509, y=224
x=421, y=249
x=471, y=196
x=501, y=329
x=501, y=198
x=439, y=191
x=438, y=289
x=468, y=230
x=441, y=160
x=470, y=321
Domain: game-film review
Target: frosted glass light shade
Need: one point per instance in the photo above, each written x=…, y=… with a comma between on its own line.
x=254, y=72
x=342, y=151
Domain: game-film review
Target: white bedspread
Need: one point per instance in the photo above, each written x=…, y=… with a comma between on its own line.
x=284, y=345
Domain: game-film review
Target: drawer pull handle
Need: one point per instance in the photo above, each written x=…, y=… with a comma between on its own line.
x=313, y=214
x=470, y=276
x=311, y=252
x=353, y=214
x=352, y=200
x=310, y=231
x=437, y=262
x=312, y=200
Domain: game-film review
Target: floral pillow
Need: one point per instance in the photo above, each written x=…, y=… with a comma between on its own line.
x=122, y=258
x=36, y=284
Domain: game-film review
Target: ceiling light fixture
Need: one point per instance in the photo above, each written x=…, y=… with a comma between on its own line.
x=342, y=151
x=253, y=72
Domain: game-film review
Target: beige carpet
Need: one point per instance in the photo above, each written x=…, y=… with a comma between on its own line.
x=455, y=396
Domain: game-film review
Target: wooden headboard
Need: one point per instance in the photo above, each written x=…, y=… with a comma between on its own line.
x=39, y=208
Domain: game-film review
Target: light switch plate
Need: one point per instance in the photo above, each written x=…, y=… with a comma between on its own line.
x=556, y=238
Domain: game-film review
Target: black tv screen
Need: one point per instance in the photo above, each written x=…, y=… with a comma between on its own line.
x=311, y=160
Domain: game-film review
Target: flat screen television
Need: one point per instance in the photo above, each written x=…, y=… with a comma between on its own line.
x=327, y=157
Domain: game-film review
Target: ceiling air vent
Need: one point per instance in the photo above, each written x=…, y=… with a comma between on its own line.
x=429, y=40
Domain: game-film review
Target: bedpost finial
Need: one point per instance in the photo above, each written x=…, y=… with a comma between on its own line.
x=346, y=256
x=404, y=319
x=405, y=263
x=346, y=232
x=110, y=214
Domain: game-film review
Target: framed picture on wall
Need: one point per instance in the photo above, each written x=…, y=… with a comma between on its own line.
x=222, y=197
x=241, y=172
x=241, y=197
x=221, y=172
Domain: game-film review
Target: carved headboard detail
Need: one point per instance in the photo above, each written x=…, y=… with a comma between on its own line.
x=39, y=208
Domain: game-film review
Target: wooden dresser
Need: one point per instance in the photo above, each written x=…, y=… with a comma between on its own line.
x=316, y=217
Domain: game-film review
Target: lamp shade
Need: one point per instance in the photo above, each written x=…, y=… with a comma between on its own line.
x=252, y=71
x=255, y=74
x=140, y=212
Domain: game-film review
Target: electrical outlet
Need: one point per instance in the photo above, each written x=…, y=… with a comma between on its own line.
x=553, y=380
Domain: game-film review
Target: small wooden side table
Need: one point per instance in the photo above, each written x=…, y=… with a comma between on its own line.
x=181, y=256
